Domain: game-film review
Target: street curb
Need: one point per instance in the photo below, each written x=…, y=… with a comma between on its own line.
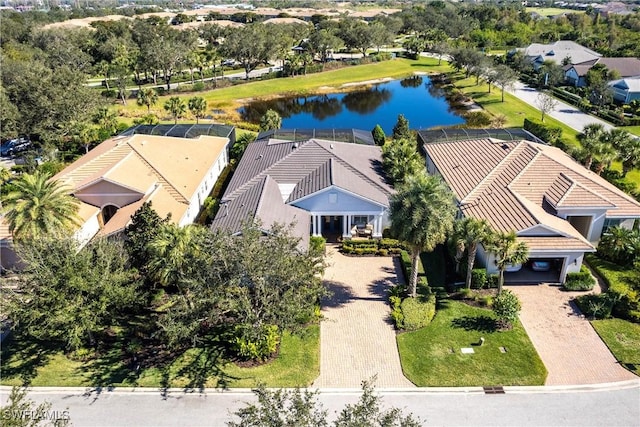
x=621, y=385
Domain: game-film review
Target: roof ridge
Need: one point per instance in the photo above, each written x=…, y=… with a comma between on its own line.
x=347, y=165
x=161, y=177
x=265, y=179
x=604, y=183
x=492, y=174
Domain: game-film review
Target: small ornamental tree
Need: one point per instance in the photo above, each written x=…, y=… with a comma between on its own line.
x=401, y=128
x=378, y=135
x=506, y=306
x=270, y=120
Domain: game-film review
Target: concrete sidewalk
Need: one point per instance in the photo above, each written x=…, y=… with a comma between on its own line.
x=565, y=113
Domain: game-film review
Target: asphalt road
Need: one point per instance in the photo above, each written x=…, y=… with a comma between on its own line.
x=614, y=405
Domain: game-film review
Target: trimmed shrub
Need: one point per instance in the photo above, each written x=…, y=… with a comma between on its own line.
x=317, y=244
x=396, y=311
x=418, y=312
x=595, y=306
x=389, y=243
x=478, y=278
x=258, y=344
x=582, y=281
x=506, y=306
x=383, y=252
x=492, y=281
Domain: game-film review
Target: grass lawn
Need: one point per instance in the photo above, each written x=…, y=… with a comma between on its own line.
x=612, y=272
x=633, y=129
x=297, y=364
x=623, y=339
x=427, y=359
x=551, y=11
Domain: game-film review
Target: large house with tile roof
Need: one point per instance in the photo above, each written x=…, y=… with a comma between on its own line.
x=555, y=205
x=323, y=187
x=538, y=53
x=114, y=179
x=575, y=74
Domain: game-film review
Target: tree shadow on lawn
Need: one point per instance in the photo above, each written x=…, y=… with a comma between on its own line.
x=22, y=356
x=476, y=323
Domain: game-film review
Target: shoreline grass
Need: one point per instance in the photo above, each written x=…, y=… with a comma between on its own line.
x=623, y=339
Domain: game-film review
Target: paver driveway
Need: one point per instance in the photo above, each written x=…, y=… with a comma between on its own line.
x=357, y=341
x=568, y=345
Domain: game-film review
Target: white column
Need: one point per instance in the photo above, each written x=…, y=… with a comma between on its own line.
x=319, y=225
x=344, y=226
x=349, y=226
x=313, y=225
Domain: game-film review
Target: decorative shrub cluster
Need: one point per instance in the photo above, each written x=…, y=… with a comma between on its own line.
x=382, y=247
x=257, y=346
x=582, y=281
x=410, y=314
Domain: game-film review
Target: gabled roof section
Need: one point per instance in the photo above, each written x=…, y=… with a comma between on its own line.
x=512, y=184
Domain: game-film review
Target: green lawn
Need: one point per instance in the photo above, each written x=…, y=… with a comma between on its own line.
x=427, y=359
x=551, y=11
x=297, y=364
x=623, y=339
x=633, y=129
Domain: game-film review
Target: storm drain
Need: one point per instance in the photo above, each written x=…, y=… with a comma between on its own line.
x=493, y=390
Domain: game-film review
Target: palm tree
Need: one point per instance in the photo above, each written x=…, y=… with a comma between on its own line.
x=400, y=159
x=147, y=96
x=628, y=148
x=421, y=213
x=508, y=251
x=85, y=134
x=107, y=120
x=591, y=141
x=38, y=206
x=176, y=107
x=198, y=106
x=169, y=255
x=468, y=233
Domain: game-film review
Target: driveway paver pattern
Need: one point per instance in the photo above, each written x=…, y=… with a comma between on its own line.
x=568, y=345
x=357, y=340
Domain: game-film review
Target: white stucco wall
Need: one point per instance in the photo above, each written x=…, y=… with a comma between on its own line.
x=89, y=229
x=204, y=188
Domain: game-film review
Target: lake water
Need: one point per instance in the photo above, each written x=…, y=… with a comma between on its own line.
x=421, y=103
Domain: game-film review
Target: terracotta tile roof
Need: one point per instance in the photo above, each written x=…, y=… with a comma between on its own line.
x=518, y=185
x=556, y=243
x=166, y=170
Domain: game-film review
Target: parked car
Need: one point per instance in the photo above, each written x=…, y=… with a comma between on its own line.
x=512, y=268
x=12, y=146
x=540, y=265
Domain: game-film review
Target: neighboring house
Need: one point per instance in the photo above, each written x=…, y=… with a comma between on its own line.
x=555, y=205
x=538, y=53
x=175, y=173
x=626, y=90
x=329, y=188
x=626, y=67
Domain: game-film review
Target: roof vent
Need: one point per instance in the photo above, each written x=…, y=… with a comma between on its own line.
x=505, y=146
x=294, y=146
x=331, y=146
x=259, y=157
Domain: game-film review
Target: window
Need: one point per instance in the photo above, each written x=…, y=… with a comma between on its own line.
x=360, y=219
x=609, y=223
x=108, y=212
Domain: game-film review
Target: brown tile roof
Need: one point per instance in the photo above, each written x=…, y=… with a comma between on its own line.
x=627, y=67
x=167, y=169
x=517, y=185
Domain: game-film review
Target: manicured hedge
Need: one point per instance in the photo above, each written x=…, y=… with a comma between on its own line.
x=382, y=247
x=582, y=281
x=410, y=314
x=478, y=278
x=623, y=287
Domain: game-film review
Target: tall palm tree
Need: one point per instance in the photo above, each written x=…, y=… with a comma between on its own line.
x=38, y=206
x=591, y=140
x=147, y=96
x=421, y=213
x=171, y=253
x=198, y=106
x=176, y=107
x=508, y=251
x=400, y=159
x=627, y=147
x=468, y=234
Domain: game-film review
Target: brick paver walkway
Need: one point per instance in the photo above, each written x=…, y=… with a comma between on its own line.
x=568, y=345
x=357, y=340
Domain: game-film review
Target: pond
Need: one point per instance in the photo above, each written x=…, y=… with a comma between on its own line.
x=422, y=104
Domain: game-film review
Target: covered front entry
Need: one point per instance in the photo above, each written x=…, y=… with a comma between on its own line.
x=330, y=225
